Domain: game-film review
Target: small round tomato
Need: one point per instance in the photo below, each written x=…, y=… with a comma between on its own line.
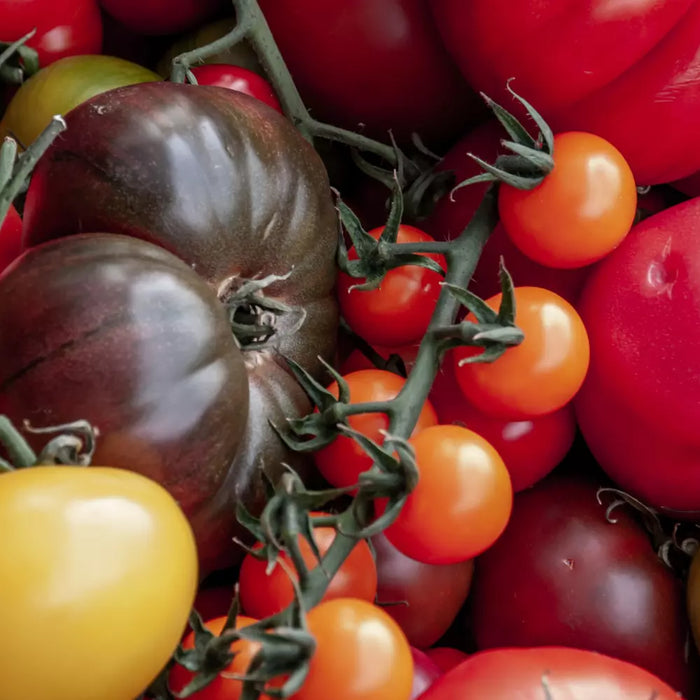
x=239, y=79
x=161, y=16
x=540, y=375
x=10, y=238
x=446, y=657
x=580, y=212
x=361, y=654
x=344, y=460
x=425, y=672
x=399, y=310
x=263, y=594
x=103, y=563
x=462, y=501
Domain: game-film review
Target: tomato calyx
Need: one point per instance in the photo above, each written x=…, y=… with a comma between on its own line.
x=17, y=60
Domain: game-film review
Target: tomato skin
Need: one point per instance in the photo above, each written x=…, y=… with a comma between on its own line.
x=462, y=501
x=64, y=27
x=571, y=674
x=344, y=460
x=161, y=16
x=237, y=78
x=446, y=657
x=399, y=310
x=101, y=560
x=375, y=663
x=10, y=238
x=540, y=375
x=582, y=209
x=263, y=594
x=582, y=582
x=425, y=672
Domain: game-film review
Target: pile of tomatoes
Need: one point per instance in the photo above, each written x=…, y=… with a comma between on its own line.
x=175, y=256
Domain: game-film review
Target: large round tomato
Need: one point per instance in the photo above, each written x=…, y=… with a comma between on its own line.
x=103, y=563
x=558, y=673
x=10, y=238
x=400, y=77
x=258, y=207
x=161, y=16
x=640, y=404
x=582, y=581
x=633, y=71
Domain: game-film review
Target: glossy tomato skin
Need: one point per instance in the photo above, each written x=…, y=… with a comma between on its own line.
x=582, y=581
x=635, y=69
x=237, y=78
x=258, y=205
x=571, y=674
x=641, y=400
x=400, y=76
x=161, y=16
x=104, y=563
x=10, y=238
x=446, y=657
x=64, y=27
x=425, y=672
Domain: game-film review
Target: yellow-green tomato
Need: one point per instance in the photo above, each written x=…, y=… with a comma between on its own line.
x=694, y=598
x=63, y=85
x=98, y=573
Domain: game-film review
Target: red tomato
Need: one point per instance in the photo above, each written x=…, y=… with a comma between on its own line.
x=213, y=600
x=399, y=310
x=64, y=27
x=634, y=69
x=400, y=76
x=462, y=501
x=344, y=460
x=446, y=657
x=425, y=672
x=237, y=78
x=361, y=654
x=540, y=375
x=640, y=404
x=161, y=16
x=580, y=211
x=547, y=672
x=10, y=238
x=530, y=448
x=581, y=581
x=263, y=594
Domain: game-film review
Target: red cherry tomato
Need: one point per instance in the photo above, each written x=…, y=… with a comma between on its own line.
x=425, y=672
x=161, y=16
x=239, y=79
x=10, y=238
x=446, y=657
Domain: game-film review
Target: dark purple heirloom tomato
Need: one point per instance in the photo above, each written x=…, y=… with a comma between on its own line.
x=174, y=345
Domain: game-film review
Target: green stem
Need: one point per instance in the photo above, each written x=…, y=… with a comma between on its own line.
x=440, y=247
x=17, y=448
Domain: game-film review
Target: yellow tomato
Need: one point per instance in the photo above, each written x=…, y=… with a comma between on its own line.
x=98, y=573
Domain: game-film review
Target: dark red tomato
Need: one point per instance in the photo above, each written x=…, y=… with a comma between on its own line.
x=161, y=16
x=237, y=78
x=640, y=404
x=10, y=238
x=582, y=581
x=425, y=672
x=547, y=672
x=423, y=598
x=64, y=27
x=213, y=601
x=530, y=448
x=633, y=72
x=451, y=215
x=446, y=657
x=399, y=310
x=400, y=76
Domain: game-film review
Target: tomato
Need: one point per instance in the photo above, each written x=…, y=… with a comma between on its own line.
x=425, y=672
x=375, y=663
x=102, y=562
x=161, y=16
x=462, y=501
x=399, y=310
x=64, y=27
x=344, y=460
x=263, y=594
x=540, y=375
x=580, y=211
x=222, y=687
x=181, y=399
x=400, y=77
x=641, y=399
x=63, y=85
x=542, y=672
x=446, y=657
x=423, y=598
x=530, y=448
x=582, y=581
x=634, y=70
x=236, y=78
x=10, y=238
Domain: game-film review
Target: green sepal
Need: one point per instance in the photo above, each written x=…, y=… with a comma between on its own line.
x=481, y=310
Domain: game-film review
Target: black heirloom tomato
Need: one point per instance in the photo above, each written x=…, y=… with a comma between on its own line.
x=227, y=185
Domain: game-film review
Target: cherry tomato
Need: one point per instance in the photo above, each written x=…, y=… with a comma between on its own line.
x=361, y=654
x=580, y=211
x=446, y=657
x=462, y=501
x=425, y=672
x=399, y=310
x=161, y=16
x=344, y=460
x=10, y=238
x=540, y=375
x=237, y=78
x=263, y=594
